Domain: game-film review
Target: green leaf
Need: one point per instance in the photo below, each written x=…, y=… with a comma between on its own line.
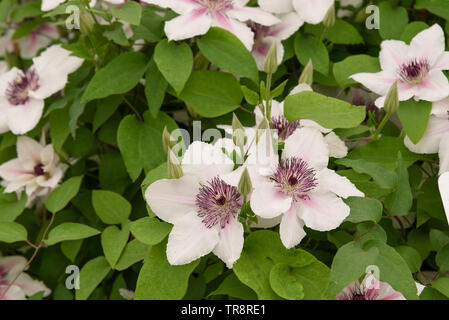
x=412, y=29
x=91, y=275
x=10, y=206
x=5, y=7
x=140, y=143
x=284, y=282
x=437, y=7
x=25, y=10
x=150, y=231
x=25, y=29
x=155, y=86
x=392, y=267
x=227, y=52
x=159, y=280
x=62, y=195
x=130, y=12
x=442, y=258
x=116, y=34
x=231, y=286
x=263, y=250
x=119, y=76
x=400, y=201
x=411, y=256
x=12, y=232
x=442, y=285
x=70, y=231
x=342, y=32
x=212, y=94
x=71, y=248
x=105, y=109
x=175, y=62
x=113, y=241
x=310, y=47
x=438, y=239
x=134, y=251
x=151, y=28
x=59, y=130
x=414, y=116
x=384, y=178
x=111, y=207
x=392, y=20
x=352, y=65
x=364, y=209
x=329, y=112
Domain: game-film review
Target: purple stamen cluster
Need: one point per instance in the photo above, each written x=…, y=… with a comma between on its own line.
x=218, y=202
x=295, y=178
x=414, y=71
x=217, y=5
x=284, y=127
x=17, y=91
x=39, y=170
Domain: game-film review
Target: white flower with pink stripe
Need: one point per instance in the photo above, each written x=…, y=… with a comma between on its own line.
x=196, y=17
x=369, y=289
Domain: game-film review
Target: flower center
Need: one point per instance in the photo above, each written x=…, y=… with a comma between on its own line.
x=358, y=296
x=284, y=127
x=39, y=170
x=414, y=71
x=218, y=202
x=295, y=178
x=217, y=5
x=17, y=91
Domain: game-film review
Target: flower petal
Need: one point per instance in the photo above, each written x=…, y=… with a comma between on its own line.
x=253, y=14
x=337, y=147
x=435, y=87
x=278, y=6
x=24, y=118
x=230, y=245
x=30, y=286
x=290, y=23
x=341, y=186
x=393, y=54
x=188, y=25
x=29, y=152
x=312, y=11
x=429, y=44
x=48, y=5
x=239, y=29
x=444, y=153
x=379, y=82
x=190, y=239
x=178, y=6
x=429, y=143
x=443, y=184
x=268, y=202
x=291, y=229
x=440, y=108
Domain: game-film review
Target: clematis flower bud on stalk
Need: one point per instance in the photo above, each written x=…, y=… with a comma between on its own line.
x=329, y=19
x=174, y=166
x=306, y=76
x=271, y=64
x=245, y=186
x=392, y=100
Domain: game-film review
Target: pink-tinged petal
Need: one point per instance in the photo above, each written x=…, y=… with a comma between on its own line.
x=12, y=265
x=444, y=153
x=268, y=202
x=171, y=199
x=53, y=181
x=430, y=142
x=337, y=147
x=341, y=186
x=24, y=118
x=188, y=25
x=443, y=184
x=261, y=49
x=312, y=11
x=323, y=211
x=252, y=14
x=239, y=29
x=30, y=286
x=428, y=44
x=53, y=67
x=13, y=293
x=290, y=23
x=48, y=157
x=291, y=229
x=13, y=170
x=40, y=38
x=29, y=151
x=261, y=155
x=205, y=161
x=440, y=108
x=230, y=245
x=386, y=292
x=307, y=144
x=6, y=79
x=48, y=5
x=392, y=55
x=276, y=6
x=435, y=87
x=443, y=62
x=178, y=6
x=190, y=239
x=379, y=82
x=348, y=292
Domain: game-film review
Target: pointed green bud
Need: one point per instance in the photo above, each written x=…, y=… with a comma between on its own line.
x=86, y=23
x=167, y=141
x=174, y=166
x=263, y=126
x=238, y=132
x=391, y=104
x=271, y=62
x=245, y=185
x=329, y=19
x=307, y=74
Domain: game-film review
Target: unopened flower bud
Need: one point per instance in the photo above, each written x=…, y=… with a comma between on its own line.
x=262, y=128
x=271, y=62
x=86, y=23
x=329, y=19
x=167, y=141
x=391, y=104
x=307, y=74
x=174, y=166
x=245, y=186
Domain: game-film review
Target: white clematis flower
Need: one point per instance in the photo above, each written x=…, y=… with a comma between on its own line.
x=48, y=5
x=303, y=190
x=369, y=289
x=3, y=67
x=201, y=206
x=264, y=37
x=36, y=170
x=24, y=286
x=22, y=93
x=310, y=11
x=197, y=16
x=416, y=67
x=443, y=183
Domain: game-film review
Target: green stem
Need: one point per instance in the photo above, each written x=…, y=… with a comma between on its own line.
x=268, y=99
x=381, y=126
